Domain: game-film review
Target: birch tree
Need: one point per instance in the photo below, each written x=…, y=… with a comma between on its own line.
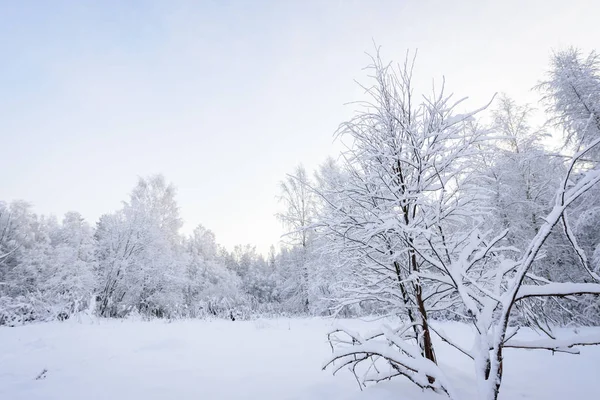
x=298, y=214
x=139, y=253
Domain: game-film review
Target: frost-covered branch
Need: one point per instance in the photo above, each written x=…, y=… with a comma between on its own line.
x=557, y=290
x=559, y=345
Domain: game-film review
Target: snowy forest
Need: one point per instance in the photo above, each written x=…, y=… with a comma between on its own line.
x=432, y=212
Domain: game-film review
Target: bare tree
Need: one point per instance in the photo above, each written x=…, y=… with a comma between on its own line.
x=467, y=270
x=299, y=210
x=406, y=165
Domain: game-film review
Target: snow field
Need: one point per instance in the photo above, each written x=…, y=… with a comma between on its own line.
x=261, y=359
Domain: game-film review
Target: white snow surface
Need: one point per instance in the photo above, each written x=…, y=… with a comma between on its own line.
x=262, y=359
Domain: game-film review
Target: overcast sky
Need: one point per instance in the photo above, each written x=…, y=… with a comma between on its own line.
x=224, y=97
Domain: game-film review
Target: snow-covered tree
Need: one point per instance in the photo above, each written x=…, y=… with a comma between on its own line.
x=518, y=175
x=258, y=278
x=212, y=288
x=47, y=271
x=299, y=210
x=406, y=164
x=479, y=273
x=24, y=244
x=572, y=92
x=69, y=273
x=139, y=254
x=16, y=224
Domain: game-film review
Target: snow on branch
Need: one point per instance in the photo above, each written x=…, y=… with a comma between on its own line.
x=557, y=289
x=388, y=346
x=558, y=345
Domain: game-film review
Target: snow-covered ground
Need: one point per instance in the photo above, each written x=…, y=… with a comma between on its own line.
x=262, y=359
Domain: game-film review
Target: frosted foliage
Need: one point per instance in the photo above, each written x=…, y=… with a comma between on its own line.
x=47, y=268
x=572, y=91
x=139, y=254
x=431, y=212
x=441, y=217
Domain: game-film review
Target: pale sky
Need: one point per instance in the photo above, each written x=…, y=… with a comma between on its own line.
x=224, y=98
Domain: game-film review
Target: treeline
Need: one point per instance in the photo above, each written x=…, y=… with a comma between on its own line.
x=417, y=182
x=136, y=261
